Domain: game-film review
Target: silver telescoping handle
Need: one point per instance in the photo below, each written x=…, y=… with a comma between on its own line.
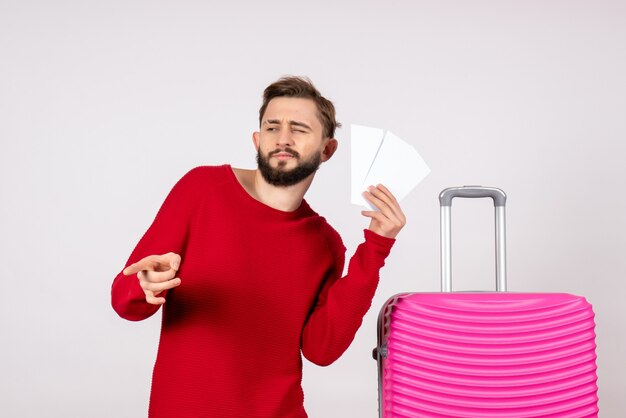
x=499, y=202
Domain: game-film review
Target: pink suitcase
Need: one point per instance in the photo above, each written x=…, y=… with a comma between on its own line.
x=485, y=354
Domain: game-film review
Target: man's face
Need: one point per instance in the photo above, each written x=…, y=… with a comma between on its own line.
x=290, y=144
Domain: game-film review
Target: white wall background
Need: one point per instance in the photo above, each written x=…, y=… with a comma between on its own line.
x=104, y=105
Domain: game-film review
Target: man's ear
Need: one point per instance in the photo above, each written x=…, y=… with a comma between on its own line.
x=329, y=149
x=256, y=140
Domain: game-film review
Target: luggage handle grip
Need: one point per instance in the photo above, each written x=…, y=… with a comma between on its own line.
x=499, y=201
x=498, y=196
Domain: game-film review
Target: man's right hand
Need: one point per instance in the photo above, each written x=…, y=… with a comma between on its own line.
x=156, y=273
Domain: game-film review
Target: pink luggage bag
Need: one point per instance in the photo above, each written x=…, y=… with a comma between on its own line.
x=485, y=354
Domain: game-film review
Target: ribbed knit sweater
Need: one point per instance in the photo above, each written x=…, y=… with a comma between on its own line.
x=258, y=287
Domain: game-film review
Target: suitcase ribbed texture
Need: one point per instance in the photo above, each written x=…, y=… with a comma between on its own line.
x=483, y=355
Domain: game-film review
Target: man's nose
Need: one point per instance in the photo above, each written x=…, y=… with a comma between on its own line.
x=284, y=137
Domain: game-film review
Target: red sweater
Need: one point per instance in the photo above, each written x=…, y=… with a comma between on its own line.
x=258, y=286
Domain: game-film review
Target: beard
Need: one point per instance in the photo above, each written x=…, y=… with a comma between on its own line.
x=279, y=176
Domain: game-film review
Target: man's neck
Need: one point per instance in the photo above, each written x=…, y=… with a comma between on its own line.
x=285, y=198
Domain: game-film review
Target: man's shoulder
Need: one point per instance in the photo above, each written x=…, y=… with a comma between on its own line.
x=330, y=234
x=200, y=178
x=202, y=175
x=204, y=171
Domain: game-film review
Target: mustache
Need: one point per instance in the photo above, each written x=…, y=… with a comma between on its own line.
x=288, y=150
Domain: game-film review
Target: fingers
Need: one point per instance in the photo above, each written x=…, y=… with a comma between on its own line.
x=157, y=282
x=385, y=201
x=153, y=300
x=154, y=263
x=156, y=273
x=389, y=219
x=174, y=261
x=156, y=276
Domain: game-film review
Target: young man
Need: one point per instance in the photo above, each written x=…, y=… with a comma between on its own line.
x=249, y=275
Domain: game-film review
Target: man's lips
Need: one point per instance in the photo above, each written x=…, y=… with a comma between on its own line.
x=283, y=154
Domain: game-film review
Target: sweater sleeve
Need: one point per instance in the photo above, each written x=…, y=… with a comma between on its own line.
x=168, y=233
x=343, y=301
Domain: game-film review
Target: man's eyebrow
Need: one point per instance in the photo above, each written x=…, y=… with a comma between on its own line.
x=301, y=124
x=291, y=122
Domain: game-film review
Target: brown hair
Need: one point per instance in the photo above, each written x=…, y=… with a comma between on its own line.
x=302, y=87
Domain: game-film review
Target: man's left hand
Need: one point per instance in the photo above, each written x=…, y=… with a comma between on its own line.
x=389, y=219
